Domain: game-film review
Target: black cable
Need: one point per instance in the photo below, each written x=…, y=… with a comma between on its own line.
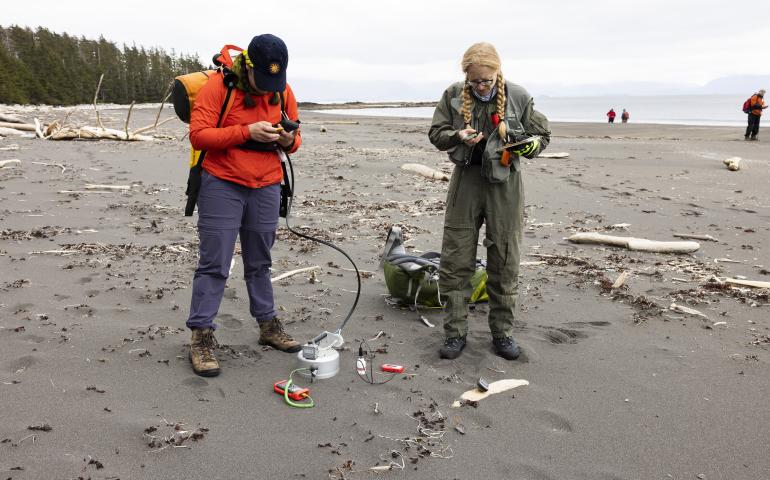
x=324, y=242
x=369, y=357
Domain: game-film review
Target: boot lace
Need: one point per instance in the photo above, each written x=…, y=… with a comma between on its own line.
x=276, y=328
x=206, y=346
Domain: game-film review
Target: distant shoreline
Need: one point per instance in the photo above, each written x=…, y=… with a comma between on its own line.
x=356, y=105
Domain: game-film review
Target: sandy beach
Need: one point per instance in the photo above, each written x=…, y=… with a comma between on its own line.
x=95, y=288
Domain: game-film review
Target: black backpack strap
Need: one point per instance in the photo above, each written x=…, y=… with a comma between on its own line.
x=194, y=176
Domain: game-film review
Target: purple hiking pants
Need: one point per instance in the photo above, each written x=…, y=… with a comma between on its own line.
x=225, y=210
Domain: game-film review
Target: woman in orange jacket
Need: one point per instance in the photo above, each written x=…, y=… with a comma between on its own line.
x=756, y=105
x=240, y=192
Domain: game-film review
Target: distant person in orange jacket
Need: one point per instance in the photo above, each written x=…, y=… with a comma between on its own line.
x=624, y=116
x=240, y=192
x=756, y=105
x=611, y=116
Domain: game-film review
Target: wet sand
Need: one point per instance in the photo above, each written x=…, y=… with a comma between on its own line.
x=620, y=386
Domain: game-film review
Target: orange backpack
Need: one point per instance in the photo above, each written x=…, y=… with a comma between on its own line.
x=183, y=93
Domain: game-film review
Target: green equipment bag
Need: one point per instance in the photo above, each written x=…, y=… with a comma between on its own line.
x=413, y=280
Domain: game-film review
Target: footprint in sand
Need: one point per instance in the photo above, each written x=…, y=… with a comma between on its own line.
x=196, y=383
x=84, y=280
x=552, y=421
x=34, y=338
x=589, y=324
x=230, y=322
x=22, y=363
x=525, y=472
x=558, y=336
x=23, y=307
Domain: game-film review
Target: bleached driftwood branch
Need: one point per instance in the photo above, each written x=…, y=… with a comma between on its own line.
x=554, y=155
x=5, y=131
x=157, y=116
x=292, y=273
x=8, y=118
x=748, y=283
x=80, y=192
x=61, y=131
x=152, y=127
x=696, y=237
x=95, y=133
x=687, y=310
x=93, y=186
x=3, y=163
x=425, y=171
x=631, y=243
x=128, y=116
x=39, y=129
x=96, y=95
x=25, y=127
x=620, y=280
x=63, y=168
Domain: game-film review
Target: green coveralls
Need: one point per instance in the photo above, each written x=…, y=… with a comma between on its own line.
x=488, y=193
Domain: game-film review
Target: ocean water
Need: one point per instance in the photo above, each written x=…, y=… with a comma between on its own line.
x=681, y=110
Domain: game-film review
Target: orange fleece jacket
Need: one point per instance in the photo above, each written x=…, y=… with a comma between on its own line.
x=757, y=100
x=223, y=158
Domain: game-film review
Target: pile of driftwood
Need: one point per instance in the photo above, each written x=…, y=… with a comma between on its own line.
x=61, y=130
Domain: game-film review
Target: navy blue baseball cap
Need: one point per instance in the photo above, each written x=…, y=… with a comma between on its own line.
x=268, y=57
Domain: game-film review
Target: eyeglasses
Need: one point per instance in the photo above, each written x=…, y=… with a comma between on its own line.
x=478, y=83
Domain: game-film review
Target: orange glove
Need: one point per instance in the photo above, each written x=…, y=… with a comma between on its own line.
x=505, y=159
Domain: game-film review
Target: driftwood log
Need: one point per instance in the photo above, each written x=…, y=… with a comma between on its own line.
x=696, y=237
x=62, y=131
x=293, y=272
x=425, y=171
x=8, y=118
x=96, y=133
x=554, y=155
x=3, y=163
x=631, y=243
x=6, y=132
x=25, y=127
x=687, y=310
x=748, y=283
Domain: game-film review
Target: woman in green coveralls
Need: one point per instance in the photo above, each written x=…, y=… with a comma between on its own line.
x=485, y=124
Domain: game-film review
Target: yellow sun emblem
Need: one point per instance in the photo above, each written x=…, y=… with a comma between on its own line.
x=274, y=68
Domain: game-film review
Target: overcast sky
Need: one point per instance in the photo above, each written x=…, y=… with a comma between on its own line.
x=420, y=42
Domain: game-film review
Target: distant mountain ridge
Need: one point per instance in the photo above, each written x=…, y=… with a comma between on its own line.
x=323, y=91
x=732, y=85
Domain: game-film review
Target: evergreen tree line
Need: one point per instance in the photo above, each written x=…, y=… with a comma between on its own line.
x=43, y=67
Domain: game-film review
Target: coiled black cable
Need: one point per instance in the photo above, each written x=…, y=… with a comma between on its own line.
x=318, y=240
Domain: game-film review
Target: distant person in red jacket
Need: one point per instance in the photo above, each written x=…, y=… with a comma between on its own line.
x=240, y=192
x=611, y=115
x=756, y=105
x=624, y=116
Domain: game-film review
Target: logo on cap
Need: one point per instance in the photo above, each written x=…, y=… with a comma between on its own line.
x=274, y=68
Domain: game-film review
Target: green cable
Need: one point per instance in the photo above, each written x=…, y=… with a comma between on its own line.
x=291, y=402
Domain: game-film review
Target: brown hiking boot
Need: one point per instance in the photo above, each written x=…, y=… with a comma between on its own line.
x=271, y=333
x=202, y=347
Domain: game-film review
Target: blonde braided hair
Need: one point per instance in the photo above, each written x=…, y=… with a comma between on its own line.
x=484, y=54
